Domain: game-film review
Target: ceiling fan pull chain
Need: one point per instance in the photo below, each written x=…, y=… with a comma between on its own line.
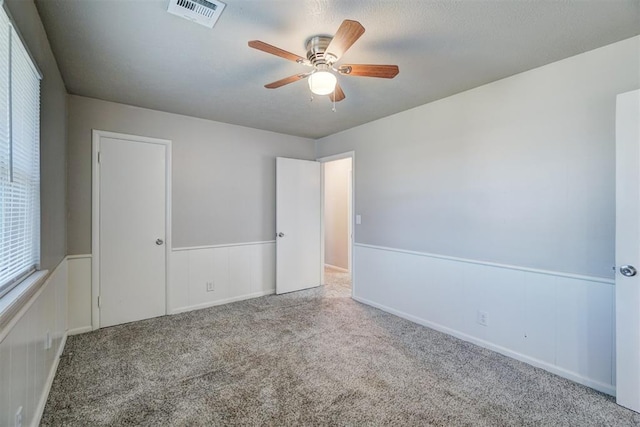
x=334, y=102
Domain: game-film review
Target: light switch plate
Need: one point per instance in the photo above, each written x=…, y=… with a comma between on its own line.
x=358, y=219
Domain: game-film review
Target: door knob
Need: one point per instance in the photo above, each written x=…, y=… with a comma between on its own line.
x=280, y=234
x=628, y=270
x=159, y=242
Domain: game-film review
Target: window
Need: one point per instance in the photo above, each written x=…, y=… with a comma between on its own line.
x=19, y=159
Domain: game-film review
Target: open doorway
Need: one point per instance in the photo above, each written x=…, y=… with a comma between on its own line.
x=337, y=214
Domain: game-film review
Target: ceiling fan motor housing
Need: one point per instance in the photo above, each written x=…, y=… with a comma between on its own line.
x=317, y=51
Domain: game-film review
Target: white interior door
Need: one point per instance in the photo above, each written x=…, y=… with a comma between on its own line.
x=298, y=240
x=132, y=224
x=628, y=250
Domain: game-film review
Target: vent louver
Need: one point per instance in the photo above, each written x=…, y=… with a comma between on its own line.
x=203, y=12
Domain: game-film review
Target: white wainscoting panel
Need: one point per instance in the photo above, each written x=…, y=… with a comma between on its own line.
x=79, y=293
x=237, y=271
x=560, y=322
x=27, y=368
x=179, y=279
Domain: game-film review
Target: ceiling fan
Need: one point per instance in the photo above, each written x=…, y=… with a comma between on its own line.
x=322, y=54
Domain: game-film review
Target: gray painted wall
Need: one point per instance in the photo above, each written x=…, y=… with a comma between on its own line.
x=53, y=126
x=223, y=175
x=519, y=171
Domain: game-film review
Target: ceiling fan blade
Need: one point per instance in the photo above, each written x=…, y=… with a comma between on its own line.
x=347, y=34
x=287, y=80
x=266, y=47
x=337, y=95
x=367, y=70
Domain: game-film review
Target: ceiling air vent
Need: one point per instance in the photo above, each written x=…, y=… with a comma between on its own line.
x=204, y=12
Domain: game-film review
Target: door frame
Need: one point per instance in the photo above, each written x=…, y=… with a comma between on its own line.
x=352, y=202
x=96, y=136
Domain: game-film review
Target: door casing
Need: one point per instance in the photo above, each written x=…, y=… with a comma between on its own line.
x=95, y=216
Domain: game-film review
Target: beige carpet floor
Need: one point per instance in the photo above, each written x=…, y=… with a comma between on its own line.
x=333, y=276
x=314, y=357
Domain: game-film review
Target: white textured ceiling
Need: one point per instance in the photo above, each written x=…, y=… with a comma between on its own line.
x=134, y=52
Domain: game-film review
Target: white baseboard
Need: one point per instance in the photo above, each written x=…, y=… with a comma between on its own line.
x=344, y=270
x=80, y=330
x=604, y=388
x=47, y=387
x=222, y=301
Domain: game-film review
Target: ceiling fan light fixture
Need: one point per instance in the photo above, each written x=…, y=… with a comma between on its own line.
x=322, y=82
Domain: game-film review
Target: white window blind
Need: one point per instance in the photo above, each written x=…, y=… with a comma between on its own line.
x=19, y=159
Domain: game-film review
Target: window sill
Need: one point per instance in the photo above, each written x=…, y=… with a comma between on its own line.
x=18, y=299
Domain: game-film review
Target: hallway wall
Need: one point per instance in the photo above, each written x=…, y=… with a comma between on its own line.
x=336, y=212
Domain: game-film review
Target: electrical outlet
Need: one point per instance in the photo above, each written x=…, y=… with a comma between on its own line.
x=483, y=318
x=210, y=287
x=18, y=420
